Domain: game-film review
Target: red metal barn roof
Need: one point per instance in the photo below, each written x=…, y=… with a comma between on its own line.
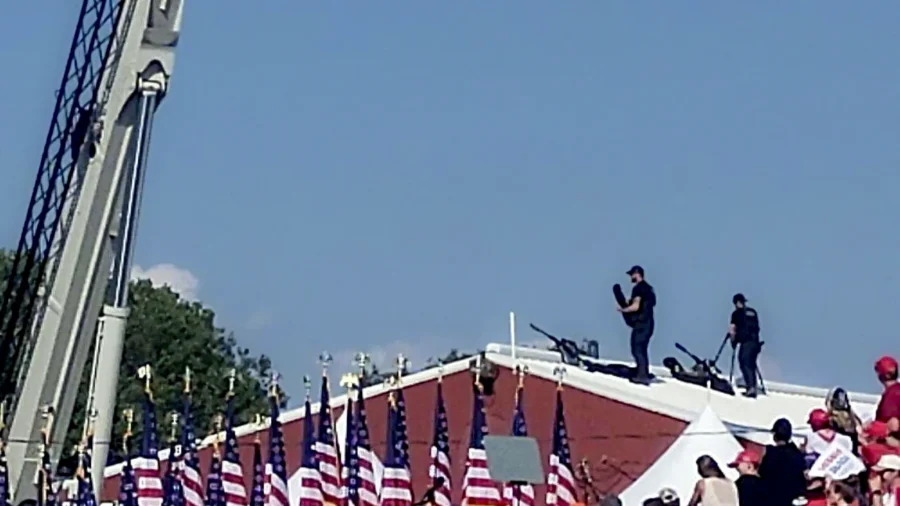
x=618, y=440
x=619, y=428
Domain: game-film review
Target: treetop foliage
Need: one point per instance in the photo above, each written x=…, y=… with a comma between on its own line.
x=172, y=334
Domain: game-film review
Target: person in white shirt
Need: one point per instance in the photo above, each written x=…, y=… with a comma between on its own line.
x=823, y=434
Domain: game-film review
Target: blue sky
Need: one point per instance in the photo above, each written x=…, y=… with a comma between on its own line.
x=398, y=176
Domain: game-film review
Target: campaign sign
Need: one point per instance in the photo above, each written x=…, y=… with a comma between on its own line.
x=837, y=463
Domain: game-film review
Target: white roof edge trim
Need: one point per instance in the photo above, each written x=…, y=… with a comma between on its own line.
x=662, y=372
x=299, y=413
x=622, y=393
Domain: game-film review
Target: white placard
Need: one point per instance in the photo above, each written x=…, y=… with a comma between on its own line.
x=837, y=463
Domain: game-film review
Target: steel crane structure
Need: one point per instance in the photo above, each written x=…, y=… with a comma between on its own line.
x=67, y=291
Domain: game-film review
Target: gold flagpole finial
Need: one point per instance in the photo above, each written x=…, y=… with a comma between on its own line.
x=79, y=468
x=88, y=427
x=325, y=359
x=560, y=373
x=402, y=366
x=350, y=381
x=173, y=426
x=478, y=373
x=273, y=386
x=217, y=429
x=129, y=423
x=145, y=373
x=187, y=380
x=258, y=422
x=362, y=360
x=232, y=377
x=390, y=383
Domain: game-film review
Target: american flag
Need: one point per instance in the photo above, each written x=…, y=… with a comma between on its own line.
x=46, y=494
x=326, y=452
x=172, y=488
x=440, y=451
x=310, y=478
x=214, y=495
x=4, y=473
x=275, y=488
x=402, y=435
x=560, y=481
x=127, y=492
x=146, y=465
x=524, y=495
x=257, y=497
x=395, y=486
x=350, y=470
x=233, y=486
x=366, y=458
x=85, y=494
x=478, y=488
x=191, y=481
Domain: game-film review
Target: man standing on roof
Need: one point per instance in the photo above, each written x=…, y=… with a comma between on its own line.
x=643, y=300
x=744, y=331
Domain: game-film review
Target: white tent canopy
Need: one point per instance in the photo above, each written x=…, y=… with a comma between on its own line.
x=677, y=469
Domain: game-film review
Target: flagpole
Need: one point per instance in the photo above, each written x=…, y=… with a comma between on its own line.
x=512, y=335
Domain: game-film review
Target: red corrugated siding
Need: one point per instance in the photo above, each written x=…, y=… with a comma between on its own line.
x=618, y=440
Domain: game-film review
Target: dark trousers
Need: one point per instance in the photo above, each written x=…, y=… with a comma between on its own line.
x=640, y=349
x=747, y=356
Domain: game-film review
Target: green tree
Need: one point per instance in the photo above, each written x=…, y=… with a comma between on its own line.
x=172, y=334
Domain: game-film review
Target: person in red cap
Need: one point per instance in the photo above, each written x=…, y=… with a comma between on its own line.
x=874, y=437
x=888, y=410
x=823, y=434
x=749, y=484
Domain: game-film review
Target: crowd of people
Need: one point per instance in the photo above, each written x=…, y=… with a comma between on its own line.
x=840, y=462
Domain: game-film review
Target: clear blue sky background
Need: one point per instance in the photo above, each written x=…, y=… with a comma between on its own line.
x=397, y=176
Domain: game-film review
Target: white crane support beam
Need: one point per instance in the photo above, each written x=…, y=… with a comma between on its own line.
x=95, y=260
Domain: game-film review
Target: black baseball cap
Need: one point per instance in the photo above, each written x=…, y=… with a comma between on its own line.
x=738, y=297
x=637, y=269
x=782, y=430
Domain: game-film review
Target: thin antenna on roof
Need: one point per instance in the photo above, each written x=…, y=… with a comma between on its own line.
x=708, y=391
x=512, y=335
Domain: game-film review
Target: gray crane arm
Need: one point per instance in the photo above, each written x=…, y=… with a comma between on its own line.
x=92, y=267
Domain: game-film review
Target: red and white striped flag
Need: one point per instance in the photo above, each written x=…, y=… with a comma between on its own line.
x=561, y=480
x=396, y=485
x=478, y=487
x=191, y=481
x=233, y=486
x=275, y=489
x=440, y=451
x=326, y=452
x=310, y=478
x=521, y=495
x=366, y=460
x=149, y=486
